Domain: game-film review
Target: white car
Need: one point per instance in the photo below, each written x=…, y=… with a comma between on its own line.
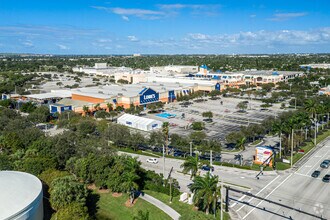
x=152, y=160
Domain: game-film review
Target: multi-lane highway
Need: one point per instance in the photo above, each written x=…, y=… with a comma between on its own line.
x=292, y=196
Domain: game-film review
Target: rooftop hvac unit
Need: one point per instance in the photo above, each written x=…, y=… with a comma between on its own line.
x=101, y=92
x=161, y=84
x=123, y=89
x=120, y=94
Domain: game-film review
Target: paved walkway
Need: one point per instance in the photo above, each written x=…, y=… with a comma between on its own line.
x=168, y=210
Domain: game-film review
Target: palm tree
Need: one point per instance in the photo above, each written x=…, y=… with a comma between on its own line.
x=240, y=143
x=129, y=184
x=110, y=106
x=113, y=114
x=85, y=109
x=191, y=164
x=278, y=127
x=311, y=107
x=97, y=106
x=165, y=130
x=204, y=189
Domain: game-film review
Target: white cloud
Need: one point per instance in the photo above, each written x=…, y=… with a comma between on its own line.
x=287, y=16
x=27, y=43
x=132, y=38
x=137, y=12
x=125, y=18
x=264, y=38
x=163, y=10
x=62, y=47
x=253, y=15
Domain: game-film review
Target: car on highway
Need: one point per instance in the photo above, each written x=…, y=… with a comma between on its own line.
x=326, y=178
x=316, y=173
x=152, y=160
x=207, y=168
x=325, y=164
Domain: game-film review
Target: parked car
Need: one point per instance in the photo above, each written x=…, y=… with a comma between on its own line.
x=152, y=160
x=325, y=164
x=207, y=168
x=316, y=173
x=326, y=178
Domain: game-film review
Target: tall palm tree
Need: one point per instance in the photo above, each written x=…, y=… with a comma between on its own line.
x=204, y=189
x=129, y=184
x=97, y=106
x=110, y=106
x=278, y=127
x=311, y=107
x=191, y=164
x=240, y=143
x=165, y=130
x=85, y=109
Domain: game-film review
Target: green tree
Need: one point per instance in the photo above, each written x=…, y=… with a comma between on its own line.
x=86, y=109
x=165, y=131
x=71, y=211
x=66, y=190
x=208, y=114
x=197, y=126
x=142, y=215
x=191, y=164
x=204, y=189
x=311, y=107
x=240, y=143
x=242, y=106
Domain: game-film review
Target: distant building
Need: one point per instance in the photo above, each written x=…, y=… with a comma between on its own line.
x=141, y=123
x=316, y=65
x=325, y=91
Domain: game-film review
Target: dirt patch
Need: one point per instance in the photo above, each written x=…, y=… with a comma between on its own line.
x=117, y=194
x=104, y=191
x=91, y=186
x=128, y=203
x=195, y=208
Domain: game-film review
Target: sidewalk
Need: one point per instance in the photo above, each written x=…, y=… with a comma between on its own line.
x=165, y=208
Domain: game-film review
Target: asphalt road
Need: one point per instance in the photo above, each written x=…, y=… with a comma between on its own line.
x=241, y=179
x=299, y=196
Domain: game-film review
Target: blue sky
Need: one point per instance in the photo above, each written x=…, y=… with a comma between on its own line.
x=164, y=27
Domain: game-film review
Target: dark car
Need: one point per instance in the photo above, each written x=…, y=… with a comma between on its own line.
x=326, y=178
x=207, y=168
x=325, y=164
x=316, y=173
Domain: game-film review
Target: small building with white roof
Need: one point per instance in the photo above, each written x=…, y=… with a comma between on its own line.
x=137, y=122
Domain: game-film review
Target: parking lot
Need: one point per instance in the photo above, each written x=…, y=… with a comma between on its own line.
x=226, y=117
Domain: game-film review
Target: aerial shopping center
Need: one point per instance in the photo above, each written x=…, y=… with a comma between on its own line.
x=159, y=84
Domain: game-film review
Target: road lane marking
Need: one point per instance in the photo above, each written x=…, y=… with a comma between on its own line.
x=258, y=193
x=325, y=155
x=267, y=196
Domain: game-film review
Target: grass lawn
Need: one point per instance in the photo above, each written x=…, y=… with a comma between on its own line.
x=113, y=208
x=187, y=211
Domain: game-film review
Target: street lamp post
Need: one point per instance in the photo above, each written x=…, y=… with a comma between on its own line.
x=190, y=148
x=164, y=163
x=291, y=149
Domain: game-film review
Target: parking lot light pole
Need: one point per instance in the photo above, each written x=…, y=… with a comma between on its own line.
x=190, y=148
x=292, y=149
x=164, y=164
x=211, y=160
